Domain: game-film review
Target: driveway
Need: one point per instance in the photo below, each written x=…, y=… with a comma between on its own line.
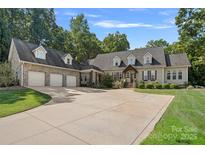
x=86, y=116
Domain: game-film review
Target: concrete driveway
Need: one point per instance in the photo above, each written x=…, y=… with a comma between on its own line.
x=86, y=116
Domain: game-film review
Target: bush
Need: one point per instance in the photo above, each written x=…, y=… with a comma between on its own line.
x=141, y=85
x=6, y=75
x=118, y=84
x=166, y=86
x=150, y=86
x=158, y=86
x=106, y=81
x=174, y=86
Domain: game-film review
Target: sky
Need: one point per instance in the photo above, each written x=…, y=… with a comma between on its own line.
x=140, y=25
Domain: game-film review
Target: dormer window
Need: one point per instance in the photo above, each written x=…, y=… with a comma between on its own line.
x=131, y=59
x=68, y=59
x=147, y=58
x=40, y=52
x=116, y=61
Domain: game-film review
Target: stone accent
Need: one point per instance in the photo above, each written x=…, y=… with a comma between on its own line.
x=48, y=70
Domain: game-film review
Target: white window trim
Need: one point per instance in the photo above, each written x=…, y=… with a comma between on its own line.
x=147, y=55
x=38, y=50
x=131, y=59
x=116, y=60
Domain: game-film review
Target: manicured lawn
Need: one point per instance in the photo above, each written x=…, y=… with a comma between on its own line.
x=184, y=120
x=14, y=101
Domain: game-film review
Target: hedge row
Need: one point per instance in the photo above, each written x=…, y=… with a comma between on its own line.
x=157, y=85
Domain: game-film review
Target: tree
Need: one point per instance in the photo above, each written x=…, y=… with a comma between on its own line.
x=85, y=43
x=5, y=34
x=42, y=25
x=157, y=43
x=191, y=28
x=115, y=42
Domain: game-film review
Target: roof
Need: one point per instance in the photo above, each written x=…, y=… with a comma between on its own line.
x=179, y=59
x=102, y=61
x=53, y=57
x=105, y=61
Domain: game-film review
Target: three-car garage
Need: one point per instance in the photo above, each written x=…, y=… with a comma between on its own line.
x=37, y=78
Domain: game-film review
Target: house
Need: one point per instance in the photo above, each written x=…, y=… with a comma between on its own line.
x=35, y=65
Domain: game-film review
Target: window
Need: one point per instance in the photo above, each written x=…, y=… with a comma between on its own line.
x=174, y=75
x=153, y=77
x=180, y=75
x=168, y=75
x=145, y=75
x=40, y=54
x=131, y=60
x=68, y=61
x=147, y=60
x=116, y=61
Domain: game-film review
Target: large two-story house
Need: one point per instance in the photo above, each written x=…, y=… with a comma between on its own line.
x=36, y=65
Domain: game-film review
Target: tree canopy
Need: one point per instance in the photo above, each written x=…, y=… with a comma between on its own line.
x=191, y=28
x=115, y=42
x=157, y=43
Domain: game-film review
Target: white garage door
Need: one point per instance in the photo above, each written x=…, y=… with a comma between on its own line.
x=56, y=80
x=71, y=81
x=36, y=78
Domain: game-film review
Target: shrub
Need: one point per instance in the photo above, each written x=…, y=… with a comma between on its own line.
x=6, y=75
x=141, y=85
x=150, y=86
x=117, y=84
x=158, y=86
x=174, y=86
x=106, y=81
x=166, y=86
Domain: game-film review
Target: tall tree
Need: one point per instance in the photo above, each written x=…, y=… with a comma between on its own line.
x=157, y=43
x=5, y=34
x=42, y=25
x=86, y=44
x=115, y=42
x=191, y=25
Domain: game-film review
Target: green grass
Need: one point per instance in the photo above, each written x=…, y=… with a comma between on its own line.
x=14, y=101
x=184, y=120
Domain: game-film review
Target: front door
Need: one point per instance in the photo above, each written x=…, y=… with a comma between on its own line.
x=131, y=77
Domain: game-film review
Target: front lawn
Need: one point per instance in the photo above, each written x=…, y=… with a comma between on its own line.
x=184, y=120
x=14, y=101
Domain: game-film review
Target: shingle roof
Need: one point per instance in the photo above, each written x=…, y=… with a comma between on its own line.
x=105, y=61
x=177, y=59
x=102, y=61
x=53, y=56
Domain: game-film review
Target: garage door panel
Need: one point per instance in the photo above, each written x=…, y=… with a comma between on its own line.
x=71, y=81
x=56, y=80
x=36, y=78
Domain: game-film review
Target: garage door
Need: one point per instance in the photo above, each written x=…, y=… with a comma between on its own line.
x=36, y=78
x=56, y=80
x=71, y=81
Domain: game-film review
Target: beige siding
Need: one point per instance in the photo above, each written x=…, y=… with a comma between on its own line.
x=48, y=71
x=177, y=69
x=15, y=62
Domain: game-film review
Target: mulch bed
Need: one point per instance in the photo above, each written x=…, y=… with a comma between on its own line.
x=12, y=88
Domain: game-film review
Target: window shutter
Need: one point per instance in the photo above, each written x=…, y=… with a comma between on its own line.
x=155, y=74
x=143, y=75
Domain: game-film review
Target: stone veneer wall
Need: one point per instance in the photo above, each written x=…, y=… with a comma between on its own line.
x=48, y=71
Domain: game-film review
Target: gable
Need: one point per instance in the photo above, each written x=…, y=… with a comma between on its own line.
x=40, y=52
